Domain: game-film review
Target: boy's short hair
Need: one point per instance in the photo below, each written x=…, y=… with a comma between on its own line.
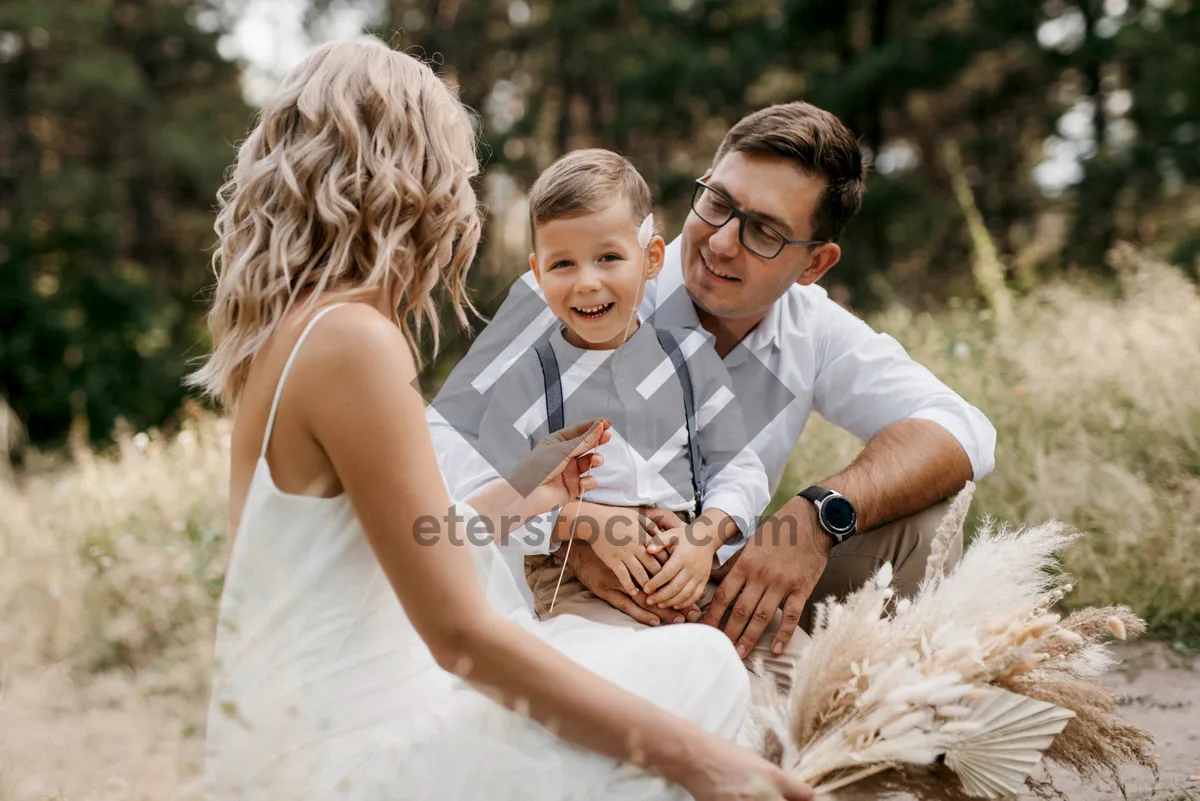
x=584, y=181
x=820, y=145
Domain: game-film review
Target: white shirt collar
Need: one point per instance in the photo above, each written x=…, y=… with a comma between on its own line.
x=769, y=330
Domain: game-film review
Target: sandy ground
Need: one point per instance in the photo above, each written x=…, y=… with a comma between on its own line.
x=107, y=740
x=1162, y=695
x=116, y=739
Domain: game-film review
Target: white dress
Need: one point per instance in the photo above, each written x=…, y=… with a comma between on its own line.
x=324, y=690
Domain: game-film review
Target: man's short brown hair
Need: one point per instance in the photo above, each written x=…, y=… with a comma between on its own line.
x=584, y=181
x=820, y=145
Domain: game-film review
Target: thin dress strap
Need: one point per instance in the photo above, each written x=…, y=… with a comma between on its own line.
x=283, y=376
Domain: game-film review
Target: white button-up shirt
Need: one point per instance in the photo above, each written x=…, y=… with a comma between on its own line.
x=807, y=354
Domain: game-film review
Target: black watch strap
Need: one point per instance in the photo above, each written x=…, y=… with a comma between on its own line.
x=818, y=495
x=815, y=494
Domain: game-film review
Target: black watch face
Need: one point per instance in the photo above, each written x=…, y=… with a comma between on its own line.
x=838, y=514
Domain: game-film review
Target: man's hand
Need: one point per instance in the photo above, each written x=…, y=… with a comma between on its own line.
x=779, y=565
x=595, y=575
x=683, y=579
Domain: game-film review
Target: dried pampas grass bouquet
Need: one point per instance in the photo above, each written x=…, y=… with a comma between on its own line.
x=960, y=691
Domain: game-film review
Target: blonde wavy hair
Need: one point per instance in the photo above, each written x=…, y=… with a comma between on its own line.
x=355, y=179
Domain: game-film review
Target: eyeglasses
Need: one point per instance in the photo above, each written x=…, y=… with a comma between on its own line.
x=756, y=236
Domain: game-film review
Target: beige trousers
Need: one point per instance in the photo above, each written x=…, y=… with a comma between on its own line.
x=905, y=543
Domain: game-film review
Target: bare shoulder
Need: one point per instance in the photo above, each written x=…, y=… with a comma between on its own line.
x=357, y=359
x=356, y=339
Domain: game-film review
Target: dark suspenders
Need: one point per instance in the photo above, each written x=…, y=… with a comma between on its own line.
x=671, y=347
x=552, y=381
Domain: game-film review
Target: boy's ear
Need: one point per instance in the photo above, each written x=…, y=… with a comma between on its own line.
x=533, y=265
x=656, y=256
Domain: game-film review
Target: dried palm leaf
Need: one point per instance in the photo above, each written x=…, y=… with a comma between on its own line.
x=1014, y=731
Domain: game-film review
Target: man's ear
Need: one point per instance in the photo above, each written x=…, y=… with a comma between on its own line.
x=656, y=256
x=533, y=265
x=823, y=259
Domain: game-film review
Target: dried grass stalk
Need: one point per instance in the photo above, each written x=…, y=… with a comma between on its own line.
x=948, y=531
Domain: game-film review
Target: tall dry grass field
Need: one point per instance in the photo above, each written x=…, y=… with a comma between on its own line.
x=113, y=561
x=110, y=563
x=1096, y=401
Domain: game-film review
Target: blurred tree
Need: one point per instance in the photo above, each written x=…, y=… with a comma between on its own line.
x=118, y=121
x=661, y=80
x=1142, y=117
x=1057, y=127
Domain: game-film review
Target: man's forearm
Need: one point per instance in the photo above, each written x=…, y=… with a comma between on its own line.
x=908, y=466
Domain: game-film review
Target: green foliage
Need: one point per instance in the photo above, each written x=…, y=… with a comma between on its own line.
x=118, y=123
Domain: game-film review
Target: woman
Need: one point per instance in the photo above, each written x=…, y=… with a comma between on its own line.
x=348, y=203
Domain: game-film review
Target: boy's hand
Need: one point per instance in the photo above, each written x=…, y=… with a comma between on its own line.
x=595, y=575
x=629, y=554
x=684, y=578
x=665, y=523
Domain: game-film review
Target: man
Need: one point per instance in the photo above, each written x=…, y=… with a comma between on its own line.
x=763, y=229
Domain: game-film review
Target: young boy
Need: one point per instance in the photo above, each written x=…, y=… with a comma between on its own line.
x=678, y=441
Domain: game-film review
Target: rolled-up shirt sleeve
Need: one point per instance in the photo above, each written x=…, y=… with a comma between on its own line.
x=739, y=490
x=865, y=381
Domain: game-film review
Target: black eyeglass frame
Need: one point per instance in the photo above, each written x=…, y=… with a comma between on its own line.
x=742, y=217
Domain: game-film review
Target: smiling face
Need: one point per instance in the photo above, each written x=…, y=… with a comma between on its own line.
x=732, y=287
x=593, y=273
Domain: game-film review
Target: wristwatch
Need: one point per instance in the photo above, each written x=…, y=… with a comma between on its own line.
x=834, y=512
